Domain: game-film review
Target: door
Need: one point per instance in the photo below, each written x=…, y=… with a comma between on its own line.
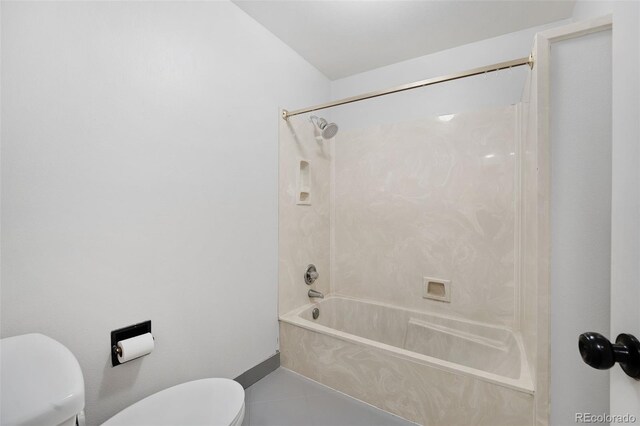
x=625, y=211
x=612, y=392
x=624, y=356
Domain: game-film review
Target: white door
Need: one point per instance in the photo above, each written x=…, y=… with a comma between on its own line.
x=575, y=389
x=625, y=211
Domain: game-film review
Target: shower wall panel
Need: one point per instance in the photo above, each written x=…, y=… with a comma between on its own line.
x=529, y=290
x=303, y=229
x=429, y=198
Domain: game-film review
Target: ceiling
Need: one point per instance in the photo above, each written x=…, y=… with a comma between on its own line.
x=341, y=38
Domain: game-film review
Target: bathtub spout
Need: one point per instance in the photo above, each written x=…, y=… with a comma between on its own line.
x=314, y=293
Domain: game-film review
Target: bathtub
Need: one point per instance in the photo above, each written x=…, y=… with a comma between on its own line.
x=429, y=369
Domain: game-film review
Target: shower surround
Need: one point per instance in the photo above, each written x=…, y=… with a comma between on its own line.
x=396, y=203
x=429, y=198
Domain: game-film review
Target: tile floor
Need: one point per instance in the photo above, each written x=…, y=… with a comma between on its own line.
x=284, y=398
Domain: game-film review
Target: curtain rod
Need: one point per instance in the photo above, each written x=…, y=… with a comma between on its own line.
x=469, y=73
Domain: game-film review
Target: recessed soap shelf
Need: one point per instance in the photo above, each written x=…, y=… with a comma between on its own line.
x=303, y=183
x=437, y=289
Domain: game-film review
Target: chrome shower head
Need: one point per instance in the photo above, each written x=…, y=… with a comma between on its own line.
x=328, y=130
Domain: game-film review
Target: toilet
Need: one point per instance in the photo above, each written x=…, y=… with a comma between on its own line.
x=200, y=402
x=42, y=383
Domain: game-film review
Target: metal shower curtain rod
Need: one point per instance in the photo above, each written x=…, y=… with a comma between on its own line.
x=469, y=73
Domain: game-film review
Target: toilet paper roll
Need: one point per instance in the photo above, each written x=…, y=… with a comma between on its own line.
x=135, y=347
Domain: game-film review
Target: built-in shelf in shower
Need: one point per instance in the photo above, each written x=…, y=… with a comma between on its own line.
x=437, y=289
x=303, y=183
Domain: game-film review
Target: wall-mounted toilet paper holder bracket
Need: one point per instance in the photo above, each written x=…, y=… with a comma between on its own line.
x=126, y=333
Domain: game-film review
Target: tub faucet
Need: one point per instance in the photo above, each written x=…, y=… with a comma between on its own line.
x=314, y=293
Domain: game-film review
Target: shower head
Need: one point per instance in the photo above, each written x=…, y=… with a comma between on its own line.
x=328, y=130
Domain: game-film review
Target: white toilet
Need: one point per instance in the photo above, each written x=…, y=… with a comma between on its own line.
x=201, y=402
x=42, y=384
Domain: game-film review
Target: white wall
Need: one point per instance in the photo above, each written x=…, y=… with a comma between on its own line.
x=585, y=9
x=580, y=141
x=139, y=181
x=494, y=90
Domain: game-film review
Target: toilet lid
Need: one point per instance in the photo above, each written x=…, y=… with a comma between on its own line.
x=201, y=402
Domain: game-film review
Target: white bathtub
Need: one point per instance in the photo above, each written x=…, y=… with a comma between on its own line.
x=427, y=368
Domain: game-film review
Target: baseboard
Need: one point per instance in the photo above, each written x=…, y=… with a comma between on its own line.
x=256, y=373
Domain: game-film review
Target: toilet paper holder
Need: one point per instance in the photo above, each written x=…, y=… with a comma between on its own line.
x=126, y=333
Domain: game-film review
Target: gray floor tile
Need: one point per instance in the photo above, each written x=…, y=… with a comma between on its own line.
x=312, y=388
x=282, y=412
x=338, y=410
x=382, y=418
x=281, y=384
x=284, y=398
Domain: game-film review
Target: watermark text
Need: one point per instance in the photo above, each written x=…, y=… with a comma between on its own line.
x=605, y=418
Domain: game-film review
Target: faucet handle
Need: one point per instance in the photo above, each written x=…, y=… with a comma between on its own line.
x=311, y=275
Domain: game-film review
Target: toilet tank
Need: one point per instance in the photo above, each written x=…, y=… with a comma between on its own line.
x=40, y=380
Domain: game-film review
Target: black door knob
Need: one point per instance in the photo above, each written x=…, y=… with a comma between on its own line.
x=598, y=352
